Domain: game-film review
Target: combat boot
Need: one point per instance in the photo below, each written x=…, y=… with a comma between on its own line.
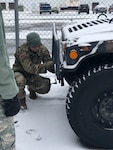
x=32, y=94
x=23, y=103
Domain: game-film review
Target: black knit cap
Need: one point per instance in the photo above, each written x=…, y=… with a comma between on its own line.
x=33, y=39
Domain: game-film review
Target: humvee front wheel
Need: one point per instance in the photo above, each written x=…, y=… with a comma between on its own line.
x=90, y=107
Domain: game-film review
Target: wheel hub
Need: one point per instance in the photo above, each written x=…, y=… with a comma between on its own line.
x=103, y=110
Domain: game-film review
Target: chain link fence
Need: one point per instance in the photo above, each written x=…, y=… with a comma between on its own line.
x=22, y=17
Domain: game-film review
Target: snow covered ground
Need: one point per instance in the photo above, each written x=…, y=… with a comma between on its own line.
x=44, y=126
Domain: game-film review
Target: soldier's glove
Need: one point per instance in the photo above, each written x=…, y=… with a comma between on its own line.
x=50, y=66
x=11, y=106
x=41, y=68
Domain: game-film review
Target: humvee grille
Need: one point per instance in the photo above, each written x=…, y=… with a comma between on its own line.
x=87, y=24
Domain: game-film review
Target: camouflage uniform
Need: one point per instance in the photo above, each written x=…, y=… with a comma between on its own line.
x=27, y=67
x=7, y=131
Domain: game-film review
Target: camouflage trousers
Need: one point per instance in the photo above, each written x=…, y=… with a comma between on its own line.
x=37, y=83
x=7, y=131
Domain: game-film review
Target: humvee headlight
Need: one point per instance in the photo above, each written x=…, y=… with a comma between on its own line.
x=73, y=54
x=85, y=48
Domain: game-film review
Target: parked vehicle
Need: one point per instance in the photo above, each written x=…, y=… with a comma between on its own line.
x=100, y=9
x=94, y=4
x=55, y=10
x=110, y=10
x=83, y=56
x=45, y=8
x=83, y=8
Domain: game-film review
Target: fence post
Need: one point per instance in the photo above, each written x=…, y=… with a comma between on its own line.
x=16, y=22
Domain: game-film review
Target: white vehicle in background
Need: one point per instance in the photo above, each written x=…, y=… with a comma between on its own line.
x=100, y=9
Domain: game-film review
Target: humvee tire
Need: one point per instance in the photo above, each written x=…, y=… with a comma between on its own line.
x=89, y=106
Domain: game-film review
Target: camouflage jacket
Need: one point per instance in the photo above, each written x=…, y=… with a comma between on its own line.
x=29, y=62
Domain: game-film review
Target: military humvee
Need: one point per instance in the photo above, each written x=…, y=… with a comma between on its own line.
x=83, y=56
